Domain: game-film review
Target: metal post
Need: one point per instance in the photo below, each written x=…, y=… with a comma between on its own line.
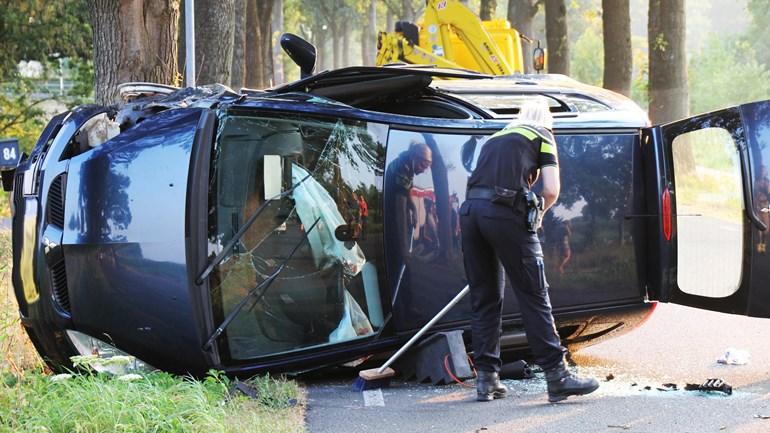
x=189, y=42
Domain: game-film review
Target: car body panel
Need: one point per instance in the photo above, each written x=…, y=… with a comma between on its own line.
x=124, y=240
x=715, y=258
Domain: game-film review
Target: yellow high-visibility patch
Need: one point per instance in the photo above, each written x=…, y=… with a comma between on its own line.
x=530, y=133
x=546, y=147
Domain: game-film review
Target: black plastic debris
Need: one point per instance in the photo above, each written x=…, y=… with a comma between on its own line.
x=243, y=388
x=711, y=385
x=667, y=387
x=238, y=387
x=516, y=370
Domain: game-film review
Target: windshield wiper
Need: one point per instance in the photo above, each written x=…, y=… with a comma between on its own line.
x=239, y=234
x=258, y=291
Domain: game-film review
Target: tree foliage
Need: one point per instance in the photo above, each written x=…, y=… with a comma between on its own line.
x=716, y=70
x=36, y=29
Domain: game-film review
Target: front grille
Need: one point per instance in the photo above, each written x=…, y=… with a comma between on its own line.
x=59, y=282
x=56, y=202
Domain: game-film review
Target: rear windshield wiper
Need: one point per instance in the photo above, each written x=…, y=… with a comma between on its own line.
x=239, y=234
x=258, y=291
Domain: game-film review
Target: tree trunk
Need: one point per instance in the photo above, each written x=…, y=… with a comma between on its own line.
x=277, y=26
x=487, y=9
x=556, y=36
x=264, y=18
x=214, y=22
x=133, y=41
x=668, y=61
x=371, y=54
x=366, y=44
x=181, y=56
x=336, y=46
x=253, y=53
x=346, y=36
x=521, y=13
x=408, y=11
x=238, y=78
x=618, y=60
x=390, y=22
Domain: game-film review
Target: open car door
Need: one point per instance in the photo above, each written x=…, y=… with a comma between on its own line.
x=707, y=190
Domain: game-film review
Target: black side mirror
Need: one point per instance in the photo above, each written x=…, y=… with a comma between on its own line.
x=301, y=52
x=538, y=58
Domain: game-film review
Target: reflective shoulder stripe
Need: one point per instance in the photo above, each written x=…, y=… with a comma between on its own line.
x=530, y=133
x=521, y=130
x=546, y=146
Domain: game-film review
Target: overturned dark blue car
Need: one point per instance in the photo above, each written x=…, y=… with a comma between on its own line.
x=261, y=230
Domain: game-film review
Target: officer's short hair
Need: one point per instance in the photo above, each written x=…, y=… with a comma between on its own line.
x=534, y=112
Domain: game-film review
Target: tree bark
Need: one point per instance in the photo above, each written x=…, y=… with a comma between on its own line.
x=134, y=40
x=277, y=26
x=346, y=36
x=618, y=60
x=214, y=22
x=521, y=13
x=336, y=46
x=371, y=53
x=238, y=78
x=487, y=9
x=556, y=36
x=668, y=61
x=408, y=11
x=253, y=53
x=264, y=18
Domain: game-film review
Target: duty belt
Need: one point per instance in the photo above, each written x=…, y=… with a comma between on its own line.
x=520, y=200
x=502, y=196
x=480, y=193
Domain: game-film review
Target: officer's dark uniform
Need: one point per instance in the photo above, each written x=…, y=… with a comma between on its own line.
x=509, y=159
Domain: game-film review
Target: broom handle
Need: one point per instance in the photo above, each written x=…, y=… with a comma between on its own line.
x=425, y=328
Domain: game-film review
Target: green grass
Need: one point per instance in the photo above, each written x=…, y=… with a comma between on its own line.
x=31, y=401
x=158, y=402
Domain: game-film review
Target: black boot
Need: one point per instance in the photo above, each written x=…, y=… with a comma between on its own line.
x=488, y=386
x=562, y=383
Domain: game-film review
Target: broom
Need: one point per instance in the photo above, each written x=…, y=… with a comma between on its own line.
x=380, y=377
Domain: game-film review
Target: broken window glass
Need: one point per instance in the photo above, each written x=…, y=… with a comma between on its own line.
x=328, y=290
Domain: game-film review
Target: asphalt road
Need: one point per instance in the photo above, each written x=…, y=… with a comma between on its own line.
x=677, y=345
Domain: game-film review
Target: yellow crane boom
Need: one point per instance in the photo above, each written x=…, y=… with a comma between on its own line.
x=451, y=35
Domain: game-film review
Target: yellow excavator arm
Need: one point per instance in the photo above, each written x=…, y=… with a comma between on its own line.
x=452, y=36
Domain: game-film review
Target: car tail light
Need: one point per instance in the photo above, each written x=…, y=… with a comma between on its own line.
x=665, y=202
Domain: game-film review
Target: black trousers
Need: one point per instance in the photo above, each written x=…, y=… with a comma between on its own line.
x=491, y=232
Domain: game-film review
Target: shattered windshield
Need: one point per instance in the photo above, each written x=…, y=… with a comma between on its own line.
x=320, y=242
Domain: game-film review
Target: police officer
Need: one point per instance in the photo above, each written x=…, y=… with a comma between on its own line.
x=495, y=226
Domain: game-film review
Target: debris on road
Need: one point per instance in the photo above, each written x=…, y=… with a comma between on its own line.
x=734, y=356
x=711, y=385
x=609, y=377
x=668, y=387
x=620, y=426
x=762, y=416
